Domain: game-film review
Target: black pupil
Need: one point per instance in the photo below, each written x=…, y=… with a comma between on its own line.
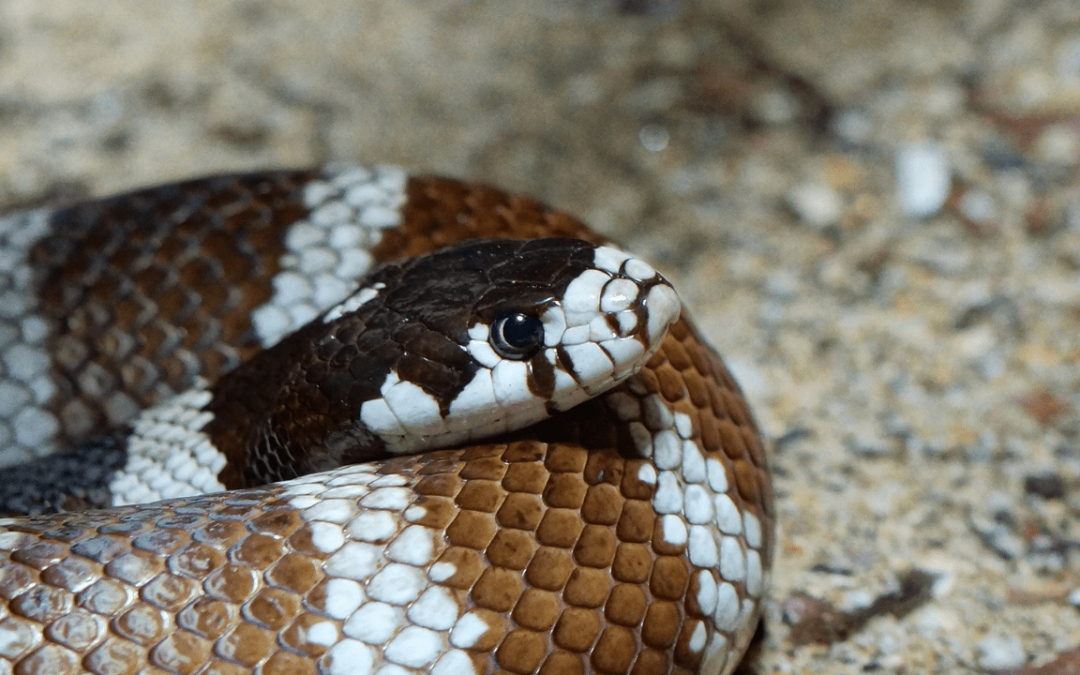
x=520, y=330
x=518, y=335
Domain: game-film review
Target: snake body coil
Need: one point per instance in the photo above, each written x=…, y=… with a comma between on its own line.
x=210, y=335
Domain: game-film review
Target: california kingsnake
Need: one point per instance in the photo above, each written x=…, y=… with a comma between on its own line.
x=629, y=534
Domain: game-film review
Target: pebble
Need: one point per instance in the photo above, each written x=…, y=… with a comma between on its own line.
x=853, y=127
x=816, y=205
x=1058, y=145
x=1074, y=598
x=1047, y=485
x=653, y=137
x=945, y=256
x=922, y=179
x=934, y=621
x=1000, y=652
x=783, y=285
x=999, y=537
x=775, y=106
x=869, y=442
x=978, y=206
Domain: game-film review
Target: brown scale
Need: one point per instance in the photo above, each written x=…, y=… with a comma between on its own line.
x=553, y=537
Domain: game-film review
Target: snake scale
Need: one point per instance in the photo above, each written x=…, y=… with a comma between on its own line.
x=220, y=333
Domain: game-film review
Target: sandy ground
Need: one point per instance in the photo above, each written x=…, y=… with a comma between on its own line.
x=908, y=336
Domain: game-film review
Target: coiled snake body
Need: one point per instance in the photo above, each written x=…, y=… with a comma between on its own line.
x=209, y=336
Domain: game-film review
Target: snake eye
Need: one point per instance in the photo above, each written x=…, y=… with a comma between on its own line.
x=517, y=336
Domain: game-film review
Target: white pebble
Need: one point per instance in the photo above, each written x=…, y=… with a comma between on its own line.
x=1074, y=598
x=922, y=179
x=978, y=206
x=817, y=205
x=1000, y=652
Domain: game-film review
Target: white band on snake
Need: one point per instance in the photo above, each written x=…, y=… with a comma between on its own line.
x=503, y=447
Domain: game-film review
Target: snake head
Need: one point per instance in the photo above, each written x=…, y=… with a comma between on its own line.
x=465, y=343
x=545, y=324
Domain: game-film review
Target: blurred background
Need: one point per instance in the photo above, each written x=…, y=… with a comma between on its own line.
x=871, y=207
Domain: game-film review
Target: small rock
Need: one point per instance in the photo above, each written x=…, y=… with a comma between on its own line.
x=815, y=204
x=775, y=106
x=783, y=285
x=1000, y=652
x=935, y=621
x=943, y=255
x=922, y=179
x=871, y=443
x=1074, y=598
x=998, y=537
x=1000, y=154
x=944, y=99
x=856, y=599
x=653, y=137
x=1044, y=406
x=1045, y=485
x=975, y=343
x=1057, y=145
x=853, y=127
x=978, y=206
x=993, y=365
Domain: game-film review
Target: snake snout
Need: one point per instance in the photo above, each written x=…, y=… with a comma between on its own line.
x=612, y=318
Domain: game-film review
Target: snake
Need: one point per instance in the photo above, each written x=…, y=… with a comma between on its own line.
x=348, y=420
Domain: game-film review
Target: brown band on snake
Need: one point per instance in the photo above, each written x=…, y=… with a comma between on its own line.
x=149, y=270
x=439, y=212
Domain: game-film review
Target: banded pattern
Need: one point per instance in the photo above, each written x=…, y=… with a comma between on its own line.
x=632, y=533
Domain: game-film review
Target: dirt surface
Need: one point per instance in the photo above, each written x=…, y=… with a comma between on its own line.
x=871, y=207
